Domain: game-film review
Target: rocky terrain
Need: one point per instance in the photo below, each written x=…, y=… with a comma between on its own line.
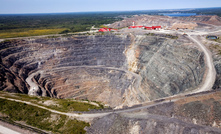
x=131, y=67
x=215, y=48
x=117, y=70
x=167, y=22
x=193, y=115
x=206, y=19
x=162, y=62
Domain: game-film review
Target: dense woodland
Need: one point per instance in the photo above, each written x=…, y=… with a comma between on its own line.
x=40, y=24
x=71, y=22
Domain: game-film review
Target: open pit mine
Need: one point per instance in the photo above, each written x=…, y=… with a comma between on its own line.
x=122, y=69
x=117, y=70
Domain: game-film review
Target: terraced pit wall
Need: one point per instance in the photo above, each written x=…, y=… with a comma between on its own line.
x=118, y=70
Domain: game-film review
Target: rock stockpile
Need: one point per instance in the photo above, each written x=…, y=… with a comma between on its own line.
x=117, y=70
x=206, y=19
x=191, y=22
x=147, y=20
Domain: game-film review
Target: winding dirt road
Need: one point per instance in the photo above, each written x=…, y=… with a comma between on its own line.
x=88, y=117
x=83, y=117
x=210, y=77
x=33, y=86
x=210, y=73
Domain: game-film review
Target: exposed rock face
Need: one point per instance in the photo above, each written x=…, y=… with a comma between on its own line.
x=116, y=70
x=167, y=66
x=201, y=110
x=191, y=115
x=217, y=84
x=10, y=81
x=149, y=124
x=215, y=48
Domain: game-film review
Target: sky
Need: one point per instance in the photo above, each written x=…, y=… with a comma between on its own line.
x=61, y=6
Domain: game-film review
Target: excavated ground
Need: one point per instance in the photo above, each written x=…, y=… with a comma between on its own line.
x=215, y=47
x=203, y=23
x=199, y=114
x=117, y=70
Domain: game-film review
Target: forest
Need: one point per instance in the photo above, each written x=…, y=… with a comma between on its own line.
x=20, y=25
x=41, y=24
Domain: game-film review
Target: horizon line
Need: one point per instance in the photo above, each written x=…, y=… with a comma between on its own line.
x=107, y=11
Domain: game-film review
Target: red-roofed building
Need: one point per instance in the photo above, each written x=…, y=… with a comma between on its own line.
x=103, y=30
x=156, y=27
x=148, y=28
x=107, y=29
x=135, y=26
x=153, y=27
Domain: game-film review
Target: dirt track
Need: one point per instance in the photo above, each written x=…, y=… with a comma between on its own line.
x=210, y=77
x=211, y=73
